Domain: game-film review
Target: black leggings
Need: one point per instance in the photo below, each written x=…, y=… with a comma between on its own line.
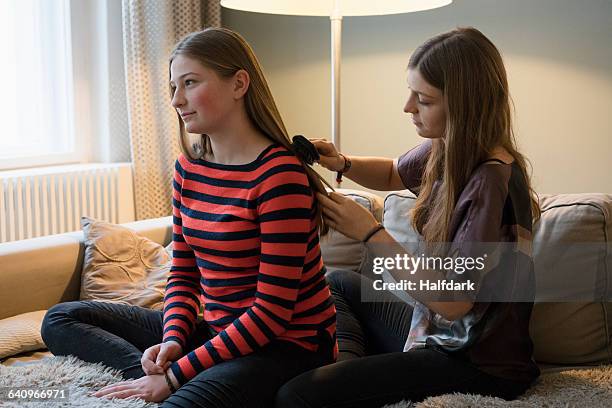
x=117, y=335
x=372, y=369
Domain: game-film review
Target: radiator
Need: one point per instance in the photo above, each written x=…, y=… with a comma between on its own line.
x=37, y=202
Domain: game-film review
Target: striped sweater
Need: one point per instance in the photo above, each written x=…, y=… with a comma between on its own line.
x=246, y=248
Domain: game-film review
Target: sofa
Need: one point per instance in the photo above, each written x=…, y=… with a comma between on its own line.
x=37, y=273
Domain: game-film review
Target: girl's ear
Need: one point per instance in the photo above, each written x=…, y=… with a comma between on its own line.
x=241, y=83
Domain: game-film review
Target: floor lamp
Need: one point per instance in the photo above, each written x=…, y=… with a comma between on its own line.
x=335, y=9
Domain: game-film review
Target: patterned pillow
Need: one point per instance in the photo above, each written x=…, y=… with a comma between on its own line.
x=121, y=266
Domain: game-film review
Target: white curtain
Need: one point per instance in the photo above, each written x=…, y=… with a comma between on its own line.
x=151, y=28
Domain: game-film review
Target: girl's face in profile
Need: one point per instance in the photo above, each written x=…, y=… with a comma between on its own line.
x=426, y=104
x=200, y=96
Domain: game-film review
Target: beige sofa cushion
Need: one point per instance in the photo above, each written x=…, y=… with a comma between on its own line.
x=21, y=333
x=339, y=251
x=120, y=266
x=573, y=332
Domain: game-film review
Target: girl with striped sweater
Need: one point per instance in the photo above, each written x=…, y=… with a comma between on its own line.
x=246, y=253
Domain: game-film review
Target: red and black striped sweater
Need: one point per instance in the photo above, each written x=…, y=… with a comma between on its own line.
x=246, y=248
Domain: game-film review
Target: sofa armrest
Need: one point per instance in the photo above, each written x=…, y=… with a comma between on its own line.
x=38, y=273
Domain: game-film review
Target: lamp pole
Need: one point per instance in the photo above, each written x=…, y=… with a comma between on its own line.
x=336, y=46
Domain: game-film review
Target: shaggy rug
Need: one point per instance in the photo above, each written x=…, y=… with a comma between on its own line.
x=77, y=376
x=590, y=387
x=587, y=387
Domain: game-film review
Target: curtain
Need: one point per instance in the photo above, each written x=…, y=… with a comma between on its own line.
x=151, y=28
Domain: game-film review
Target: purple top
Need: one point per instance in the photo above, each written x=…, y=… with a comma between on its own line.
x=494, y=207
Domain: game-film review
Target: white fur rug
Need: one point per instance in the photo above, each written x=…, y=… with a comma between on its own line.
x=577, y=388
x=77, y=376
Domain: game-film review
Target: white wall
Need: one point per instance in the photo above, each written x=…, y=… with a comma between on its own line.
x=557, y=54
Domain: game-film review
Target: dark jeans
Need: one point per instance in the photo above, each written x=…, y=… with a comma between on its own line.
x=372, y=369
x=117, y=335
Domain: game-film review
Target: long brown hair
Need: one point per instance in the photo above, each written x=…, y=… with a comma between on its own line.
x=468, y=69
x=226, y=52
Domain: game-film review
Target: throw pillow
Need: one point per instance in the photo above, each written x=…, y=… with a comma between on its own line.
x=338, y=250
x=21, y=333
x=121, y=266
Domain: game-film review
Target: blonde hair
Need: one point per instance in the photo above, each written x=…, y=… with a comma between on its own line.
x=226, y=52
x=468, y=69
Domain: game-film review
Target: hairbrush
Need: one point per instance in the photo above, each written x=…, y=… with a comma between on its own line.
x=305, y=149
x=307, y=152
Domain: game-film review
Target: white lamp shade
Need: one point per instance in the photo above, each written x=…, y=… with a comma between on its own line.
x=326, y=7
